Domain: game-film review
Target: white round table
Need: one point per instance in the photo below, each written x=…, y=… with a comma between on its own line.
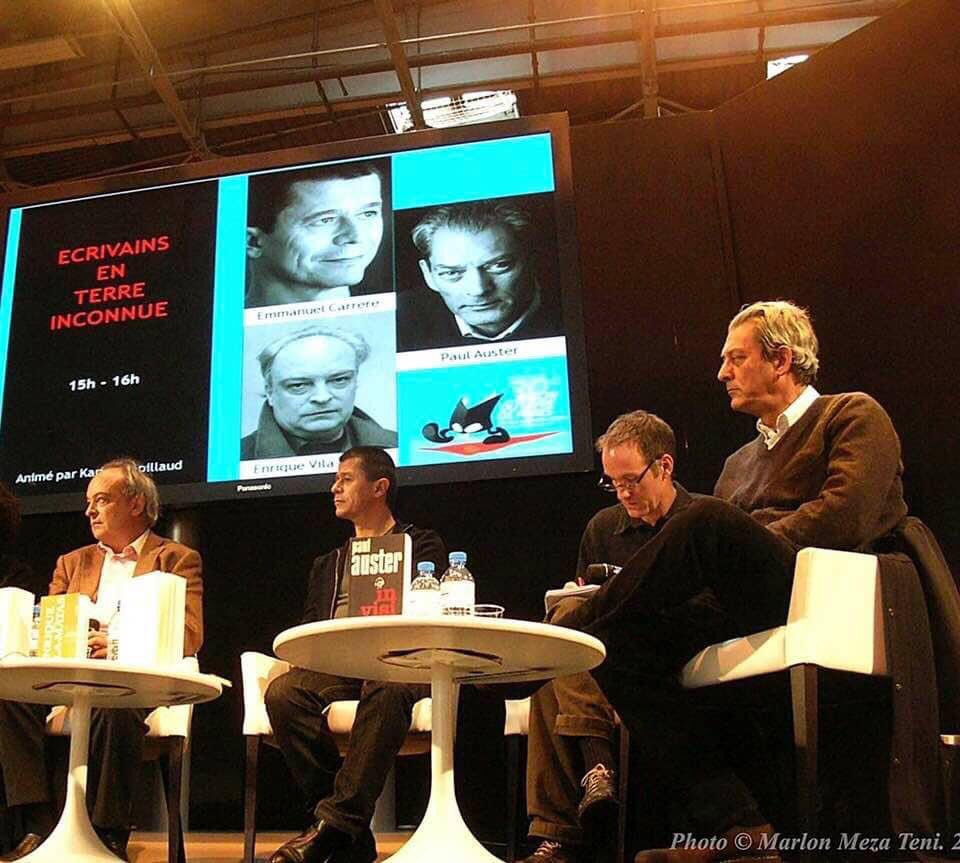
x=442, y=651
x=82, y=684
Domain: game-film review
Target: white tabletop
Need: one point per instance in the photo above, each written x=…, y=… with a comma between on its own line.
x=401, y=649
x=109, y=684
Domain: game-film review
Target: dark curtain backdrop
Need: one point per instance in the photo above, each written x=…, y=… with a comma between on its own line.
x=834, y=185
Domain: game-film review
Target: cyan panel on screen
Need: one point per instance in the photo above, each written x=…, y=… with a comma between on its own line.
x=6, y=298
x=534, y=410
x=226, y=359
x=471, y=172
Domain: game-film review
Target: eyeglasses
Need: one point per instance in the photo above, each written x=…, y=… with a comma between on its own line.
x=627, y=483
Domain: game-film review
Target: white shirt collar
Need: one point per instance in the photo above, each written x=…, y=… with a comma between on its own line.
x=467, y=330
x=797, y=408
x=136, y=545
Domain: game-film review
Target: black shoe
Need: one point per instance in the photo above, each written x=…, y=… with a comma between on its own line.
x=599, y=801
x=29, y=843
x=317, y=844
x=115, y=838
x=549, y=851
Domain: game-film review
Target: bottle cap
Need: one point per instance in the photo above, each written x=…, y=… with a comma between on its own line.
x=458, y=557
x=426, y=566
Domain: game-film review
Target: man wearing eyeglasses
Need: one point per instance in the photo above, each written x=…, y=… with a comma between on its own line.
x=823, y=471
x=571, y=787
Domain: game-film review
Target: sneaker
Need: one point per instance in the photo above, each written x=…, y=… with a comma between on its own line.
x=599, y=801
x=552, y=852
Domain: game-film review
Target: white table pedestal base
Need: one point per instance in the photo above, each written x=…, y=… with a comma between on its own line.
x=466, y=649
x=74, y=839
x=442, y=835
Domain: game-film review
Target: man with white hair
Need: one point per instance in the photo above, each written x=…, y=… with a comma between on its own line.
x=823, y=471
x=122, y=507
x=310, y=378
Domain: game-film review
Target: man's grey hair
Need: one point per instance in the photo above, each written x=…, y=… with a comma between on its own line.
x=267, y=356
x=779, y=324
x=135, y=482
x=647, y=432
x=474, y=217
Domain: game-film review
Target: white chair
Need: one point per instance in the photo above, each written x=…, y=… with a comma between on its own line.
x=835, y=622
x=516, y=726
x=258, y=671
x=168, y=734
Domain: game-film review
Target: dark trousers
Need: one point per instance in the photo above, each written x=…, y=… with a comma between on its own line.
x=116, y=749
x=562, y=712
x=711, y=573
x=346, y=796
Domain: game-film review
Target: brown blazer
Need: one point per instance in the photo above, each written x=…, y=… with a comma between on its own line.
x=79, y=572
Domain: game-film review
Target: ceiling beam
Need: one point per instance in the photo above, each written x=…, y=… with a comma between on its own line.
x=534, y=56
x=375, y=102
x=264, y=80
x=232, y=40
x=142, y=48
x=279, y=78
x=647, y=38
x=399, y=56
x=779, y=17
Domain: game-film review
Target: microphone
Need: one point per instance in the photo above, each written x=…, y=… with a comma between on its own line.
x=598, y=573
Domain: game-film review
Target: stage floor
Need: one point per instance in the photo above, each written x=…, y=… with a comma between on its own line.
x=228, y=847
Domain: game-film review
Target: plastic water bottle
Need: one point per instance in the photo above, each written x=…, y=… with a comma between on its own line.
x=424, y=592
x=457, y=590
x=113, y=634
x=34, y=645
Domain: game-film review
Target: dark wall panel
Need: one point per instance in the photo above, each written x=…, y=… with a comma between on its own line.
x=655, y=280
x=842, y=178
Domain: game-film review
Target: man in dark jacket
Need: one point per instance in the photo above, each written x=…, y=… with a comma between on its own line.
x=364, y=493
x=571, y=789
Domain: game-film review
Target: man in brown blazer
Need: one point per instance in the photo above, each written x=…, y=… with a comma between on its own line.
x=122, y=507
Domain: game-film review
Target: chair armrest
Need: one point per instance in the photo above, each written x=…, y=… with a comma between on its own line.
x=835, y=621
x=836, y=614
x=516, y=718
x=173, y=721
x=422, y=720
x=340, y=717
x=736, y=659
x=258, y=671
